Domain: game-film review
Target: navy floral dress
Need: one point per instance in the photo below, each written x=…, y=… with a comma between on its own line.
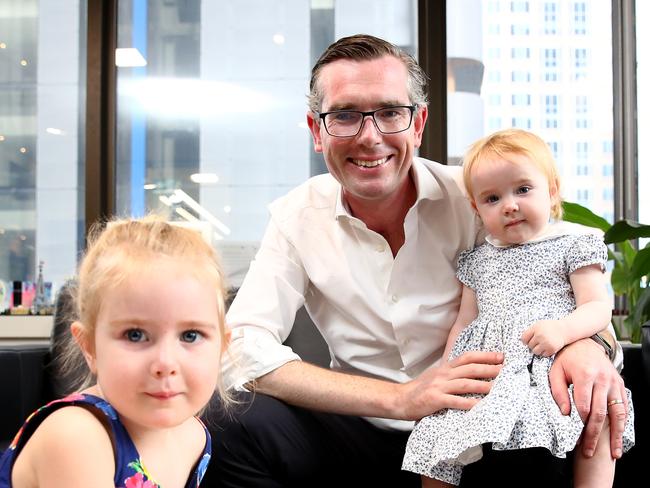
x=129, y=470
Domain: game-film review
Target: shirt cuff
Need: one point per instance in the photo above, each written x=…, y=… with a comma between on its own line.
x=253, y=352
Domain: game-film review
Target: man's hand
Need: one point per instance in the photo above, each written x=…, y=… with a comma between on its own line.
x=440, y=387
x=596, y=384
x=545, y=337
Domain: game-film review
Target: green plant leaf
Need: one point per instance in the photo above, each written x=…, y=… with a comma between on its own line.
x=641, y=313
x=620, y=281
x=574, y=212
x=626, y=229
x=641, y=264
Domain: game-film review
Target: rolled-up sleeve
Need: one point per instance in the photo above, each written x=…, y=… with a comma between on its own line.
x=262, y=314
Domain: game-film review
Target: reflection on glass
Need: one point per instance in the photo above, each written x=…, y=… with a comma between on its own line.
x=213, y=127
x=40, y=214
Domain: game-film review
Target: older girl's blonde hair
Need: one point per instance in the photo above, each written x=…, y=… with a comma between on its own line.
x=515, y=141
x=123, y=248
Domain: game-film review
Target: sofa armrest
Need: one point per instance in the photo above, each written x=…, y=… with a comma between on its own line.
x=24, y=384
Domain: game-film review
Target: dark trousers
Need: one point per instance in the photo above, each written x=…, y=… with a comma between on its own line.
x=268, y=444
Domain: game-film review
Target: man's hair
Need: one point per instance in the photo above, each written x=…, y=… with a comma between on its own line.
x=514, y=141
x=363, y=47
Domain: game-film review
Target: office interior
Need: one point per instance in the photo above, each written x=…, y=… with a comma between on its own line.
x=195, y=109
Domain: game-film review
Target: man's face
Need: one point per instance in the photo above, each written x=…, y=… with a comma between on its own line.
x=370, y=166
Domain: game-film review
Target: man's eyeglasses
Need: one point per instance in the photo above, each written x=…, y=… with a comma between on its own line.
x=348, y=123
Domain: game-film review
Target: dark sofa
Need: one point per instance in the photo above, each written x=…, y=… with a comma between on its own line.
x=27, y=380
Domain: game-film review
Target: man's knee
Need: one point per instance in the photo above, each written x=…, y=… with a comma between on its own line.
x=260, y=440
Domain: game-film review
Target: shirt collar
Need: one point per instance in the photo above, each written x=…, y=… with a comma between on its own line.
x=553, y=229
x=426, y=186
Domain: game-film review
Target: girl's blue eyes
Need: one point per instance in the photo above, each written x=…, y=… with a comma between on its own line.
x=138, y=335
x=191, y=336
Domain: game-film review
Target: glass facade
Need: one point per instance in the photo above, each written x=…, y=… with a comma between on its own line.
x=567, y=97
x=210, y=123
x=41, y=175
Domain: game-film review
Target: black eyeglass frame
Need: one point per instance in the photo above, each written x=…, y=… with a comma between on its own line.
x=371, y=114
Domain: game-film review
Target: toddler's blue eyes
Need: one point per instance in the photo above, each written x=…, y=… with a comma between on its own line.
x=134, y=335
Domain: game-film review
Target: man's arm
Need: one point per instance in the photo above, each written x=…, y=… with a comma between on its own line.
x=309, y=386
x=595, y=383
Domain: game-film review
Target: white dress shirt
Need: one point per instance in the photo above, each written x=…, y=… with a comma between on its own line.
x=382, y=316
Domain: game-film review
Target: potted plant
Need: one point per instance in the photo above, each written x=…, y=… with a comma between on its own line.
x=631, y=273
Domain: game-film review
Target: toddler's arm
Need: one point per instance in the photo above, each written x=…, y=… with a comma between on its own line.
x=592, y=314
x=466, y=314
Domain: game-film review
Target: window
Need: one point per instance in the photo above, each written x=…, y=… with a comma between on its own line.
x=521, y=122
x=41, y=143
x=580, y=63
x=519, y=30
x=520, y=99
x=188, y=159
x=550, y=18
x=550, y=57
x=550, y=104
x=555, y=149
x=582, y=151
x=518, y=6
x=520, y=53
x=520, y=76
x=494, y=76
x=494, y=123
x=582, y=170
x=494, y=99
x=494, y=53
x=579, y=18
x=608, y=170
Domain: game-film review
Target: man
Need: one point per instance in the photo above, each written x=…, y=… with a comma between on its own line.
x=370, y=250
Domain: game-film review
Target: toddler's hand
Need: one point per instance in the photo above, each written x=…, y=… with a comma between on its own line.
x=544, y=338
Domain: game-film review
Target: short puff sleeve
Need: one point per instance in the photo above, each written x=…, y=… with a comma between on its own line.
x=466, y=268
x=587, y=249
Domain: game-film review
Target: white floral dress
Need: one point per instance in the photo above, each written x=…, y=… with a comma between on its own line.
x=515, y=286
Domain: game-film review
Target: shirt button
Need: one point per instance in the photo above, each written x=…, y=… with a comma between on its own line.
x=394, y=298
x=406, y=342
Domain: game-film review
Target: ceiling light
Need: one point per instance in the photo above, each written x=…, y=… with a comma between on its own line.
x=278, y=39
x=129, y=57
x=150, y=186
x=204, y=178
x=55, y=131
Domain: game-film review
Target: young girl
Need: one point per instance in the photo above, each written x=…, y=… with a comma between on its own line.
x=534, y=287
x=150, y=308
